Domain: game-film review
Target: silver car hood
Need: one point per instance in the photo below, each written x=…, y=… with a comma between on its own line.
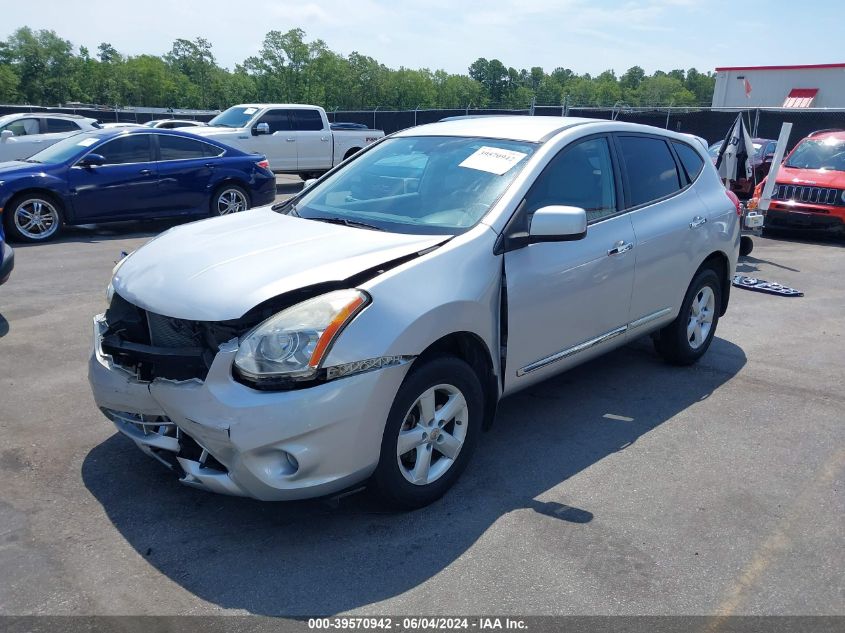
x=218, y=269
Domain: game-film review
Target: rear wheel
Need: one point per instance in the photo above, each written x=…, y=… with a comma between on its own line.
x=229, y=199
x=431, y=431
x=34, y=217
x=688, y=337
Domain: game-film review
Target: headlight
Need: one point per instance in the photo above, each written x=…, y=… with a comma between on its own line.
x=294, y=343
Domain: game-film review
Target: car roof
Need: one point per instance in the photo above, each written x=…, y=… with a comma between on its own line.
x=823, y=134
x=58, y=115
x=277, y=105
x=105, y=133
x=533, y=129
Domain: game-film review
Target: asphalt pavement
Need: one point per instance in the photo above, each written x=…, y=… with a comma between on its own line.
x=622, y=487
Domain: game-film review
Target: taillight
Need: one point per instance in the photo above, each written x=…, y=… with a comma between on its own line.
x=264, y=164
x=735, y=200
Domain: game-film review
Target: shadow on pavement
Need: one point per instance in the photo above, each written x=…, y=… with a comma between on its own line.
x=4, y=326
x=322, y=558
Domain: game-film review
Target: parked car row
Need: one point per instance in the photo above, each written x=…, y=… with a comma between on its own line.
x=127, y=174
x=64, y=169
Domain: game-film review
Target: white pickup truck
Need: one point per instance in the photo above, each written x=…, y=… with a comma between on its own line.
x=295, y=138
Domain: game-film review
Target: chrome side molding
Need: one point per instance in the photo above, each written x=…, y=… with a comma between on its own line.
x=581, y=347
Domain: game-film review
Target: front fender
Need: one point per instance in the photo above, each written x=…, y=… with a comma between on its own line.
x=455, y=288
x=11, y=187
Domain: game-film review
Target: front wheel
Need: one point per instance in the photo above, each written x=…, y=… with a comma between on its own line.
x=229, y=199
x=431, y=431
x=685, y=339
x=33, y=218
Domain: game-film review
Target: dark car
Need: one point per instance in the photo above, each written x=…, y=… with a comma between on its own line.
x=7, y=258
x=128, y=174
x=764, y=151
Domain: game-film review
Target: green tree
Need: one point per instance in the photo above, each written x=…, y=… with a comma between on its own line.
x=8, y=84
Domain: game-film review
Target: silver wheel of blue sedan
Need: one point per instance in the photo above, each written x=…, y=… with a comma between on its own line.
x=432, y=434
x=230, y=200
x=36, y=219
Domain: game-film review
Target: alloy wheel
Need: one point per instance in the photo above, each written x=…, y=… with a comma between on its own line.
x=701, y=317
x=231, y=201
x=36, y=219
x=432, y=434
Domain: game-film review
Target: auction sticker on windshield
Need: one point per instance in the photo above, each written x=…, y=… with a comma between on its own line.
x=250, y=110
x=493, y=160
x=87, y=142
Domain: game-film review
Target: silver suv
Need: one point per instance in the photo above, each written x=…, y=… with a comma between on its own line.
x=365, y=330
x=24, y=134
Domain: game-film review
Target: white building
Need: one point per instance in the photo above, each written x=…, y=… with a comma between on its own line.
x=813, y=86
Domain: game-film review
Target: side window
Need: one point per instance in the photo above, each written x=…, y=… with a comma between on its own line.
x=580, y=175
x=279, y=120
x=307, y=120
x=690, y=159
x=180, y=148
x=652, y=173
x=23, y=127
x=61, y=125
x=127, y=149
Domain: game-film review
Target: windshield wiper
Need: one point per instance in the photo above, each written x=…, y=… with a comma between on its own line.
x=348, y=222
x=29, y=160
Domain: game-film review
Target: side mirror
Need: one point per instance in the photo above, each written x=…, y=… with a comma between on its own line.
x=92, y=160
x=308, y=183
x=261, y=128
x=558, y=223
x=5, y=135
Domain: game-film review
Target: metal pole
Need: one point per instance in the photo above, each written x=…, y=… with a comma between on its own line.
x=415, y=114
x=374, y=117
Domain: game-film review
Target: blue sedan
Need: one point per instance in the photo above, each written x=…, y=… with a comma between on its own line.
x=128, y=174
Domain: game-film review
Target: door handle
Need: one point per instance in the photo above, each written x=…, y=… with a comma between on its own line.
x=697, y=221
x=620, y=247
x=145, y=172
x=324, y=139
x=290, y=140
x=210, y=165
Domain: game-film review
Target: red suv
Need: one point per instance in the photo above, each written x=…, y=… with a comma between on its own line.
x=810, y=189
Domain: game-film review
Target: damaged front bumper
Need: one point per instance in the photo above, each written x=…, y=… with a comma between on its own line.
x=226, y=437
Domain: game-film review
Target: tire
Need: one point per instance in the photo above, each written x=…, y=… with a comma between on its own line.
x=33, y=217
x=684, y=341
x=229, y=199
x=448, y=378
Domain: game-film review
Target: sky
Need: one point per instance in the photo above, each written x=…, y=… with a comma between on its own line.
x=587, y=36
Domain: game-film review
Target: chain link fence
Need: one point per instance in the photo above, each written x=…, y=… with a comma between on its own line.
x=709, y=123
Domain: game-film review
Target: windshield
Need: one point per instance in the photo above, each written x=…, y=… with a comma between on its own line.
x=238, y=116
x=429, y=185
x=828, y=153
x=66, y=149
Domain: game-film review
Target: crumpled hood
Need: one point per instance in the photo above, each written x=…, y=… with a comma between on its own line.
x=218, y=269
x=811, y=177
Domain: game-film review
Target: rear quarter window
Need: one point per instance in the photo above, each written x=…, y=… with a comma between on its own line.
x=690, y=159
